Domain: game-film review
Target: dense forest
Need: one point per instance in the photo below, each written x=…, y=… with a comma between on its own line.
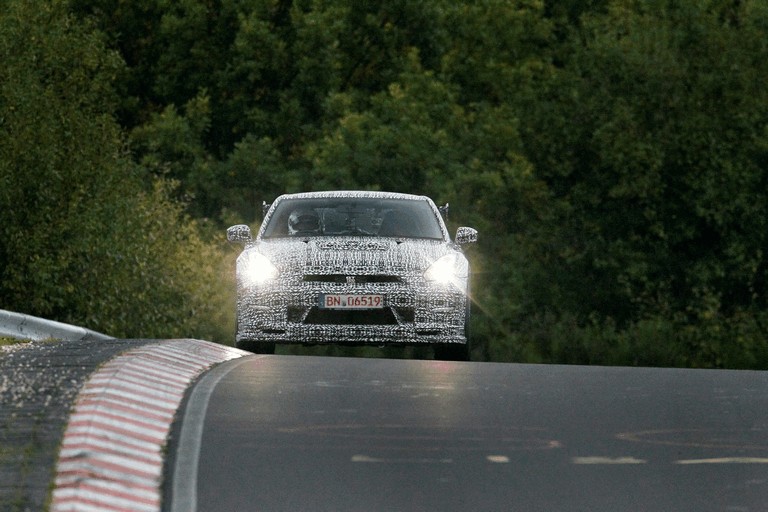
x=613, y=155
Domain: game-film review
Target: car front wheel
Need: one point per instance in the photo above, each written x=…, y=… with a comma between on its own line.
x=452, y=351
x=257, y=347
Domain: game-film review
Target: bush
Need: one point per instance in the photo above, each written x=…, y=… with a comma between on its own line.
x=85, y=237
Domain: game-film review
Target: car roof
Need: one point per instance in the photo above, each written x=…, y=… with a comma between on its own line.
x=353, y=193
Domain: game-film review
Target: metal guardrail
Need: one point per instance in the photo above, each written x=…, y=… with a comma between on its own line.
x=28, y=327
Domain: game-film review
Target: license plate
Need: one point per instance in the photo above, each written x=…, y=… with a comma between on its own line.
x=351, y=301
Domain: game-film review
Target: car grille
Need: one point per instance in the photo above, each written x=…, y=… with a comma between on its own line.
x=357, y=279
x=382, y=316
x=319, y=316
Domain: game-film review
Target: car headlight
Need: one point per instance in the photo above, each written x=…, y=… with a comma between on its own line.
x=254, y=269
x=449, y=269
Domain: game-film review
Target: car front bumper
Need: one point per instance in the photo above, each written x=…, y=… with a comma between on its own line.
x=415, y=312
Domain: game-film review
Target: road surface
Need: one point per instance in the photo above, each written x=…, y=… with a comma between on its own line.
x=291, y=433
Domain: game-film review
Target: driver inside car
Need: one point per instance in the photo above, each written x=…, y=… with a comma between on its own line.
x=303, y=222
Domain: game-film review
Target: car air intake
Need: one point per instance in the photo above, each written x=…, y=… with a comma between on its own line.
x=344, y=279
x=383, y=316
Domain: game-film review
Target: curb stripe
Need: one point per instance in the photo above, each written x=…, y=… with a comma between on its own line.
x=136, y=376
x=89, y=506
x=111, y=455
x=101, y=452
x=118, y=488
x=116, y=418
x=180, y=364
x=140, y=390
x=187, y=358
x=118, y=408
x=103, y=425
x=111, y=437
x=130, y=379
x=117, y=468
x=146, y=368
x=76, y=442
x=128, y=495
x=127, y=400
x=121, y=394
x=89, y=503
x=120, y=414
x=95, y=492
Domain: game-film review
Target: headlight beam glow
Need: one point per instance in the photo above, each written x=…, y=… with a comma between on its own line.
x=447, y=270
x=254, y=269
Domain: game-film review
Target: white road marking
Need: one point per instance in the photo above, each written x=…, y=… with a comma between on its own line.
x=191, y=437
x=607, y=460
x=365, y=458
x=378, y=460
x=498, y=459
x=724, y=460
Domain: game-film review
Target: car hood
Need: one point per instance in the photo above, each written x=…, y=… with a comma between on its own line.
x=359, y=255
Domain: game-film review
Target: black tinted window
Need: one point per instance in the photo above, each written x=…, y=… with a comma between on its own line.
x=401, y=218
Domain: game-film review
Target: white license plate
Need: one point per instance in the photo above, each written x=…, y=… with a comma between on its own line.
x=351, y=301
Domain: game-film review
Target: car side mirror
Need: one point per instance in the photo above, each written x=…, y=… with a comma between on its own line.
x=466, y=235
x=240, y=234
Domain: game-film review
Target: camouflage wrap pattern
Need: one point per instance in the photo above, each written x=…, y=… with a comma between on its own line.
x=288, y=306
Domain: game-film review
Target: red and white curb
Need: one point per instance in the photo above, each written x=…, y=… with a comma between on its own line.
x=111, y=456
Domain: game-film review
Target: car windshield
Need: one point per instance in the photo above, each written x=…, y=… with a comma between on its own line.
x=353, y=216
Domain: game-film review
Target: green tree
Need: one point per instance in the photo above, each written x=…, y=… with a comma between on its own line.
x=612, y=152
x=648, y=138
x=266, y=68
x=83, y=239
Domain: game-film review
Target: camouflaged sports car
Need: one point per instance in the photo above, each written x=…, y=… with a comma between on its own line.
x=353, y=268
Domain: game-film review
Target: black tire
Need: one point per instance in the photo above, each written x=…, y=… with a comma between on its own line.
x=452, y=351
x=257, y=347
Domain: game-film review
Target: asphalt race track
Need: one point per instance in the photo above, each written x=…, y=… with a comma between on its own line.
x=282, y=433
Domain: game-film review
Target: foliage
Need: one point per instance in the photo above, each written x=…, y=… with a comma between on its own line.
x=612, y=153
x=4, y=342
x=657, y=168
x=83, y=238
